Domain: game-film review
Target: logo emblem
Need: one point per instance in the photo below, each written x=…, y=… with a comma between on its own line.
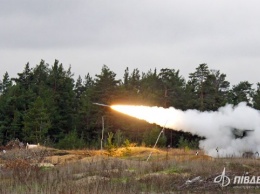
x=222, y=179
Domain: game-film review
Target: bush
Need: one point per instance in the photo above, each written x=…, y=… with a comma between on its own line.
x=71, y=141
x=186, y=144
x=151, y=136
x=119, y=138
x=127, y=151
x=110, y=145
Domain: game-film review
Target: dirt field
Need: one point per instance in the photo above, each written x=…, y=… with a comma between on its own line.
x=122, y=170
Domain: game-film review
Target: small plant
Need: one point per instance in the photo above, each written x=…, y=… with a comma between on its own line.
x=127, y=151
x=119, y=138
x=127, y=143
x=110, y=146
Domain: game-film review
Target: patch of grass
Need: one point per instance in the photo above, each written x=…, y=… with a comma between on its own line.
x=173, y=170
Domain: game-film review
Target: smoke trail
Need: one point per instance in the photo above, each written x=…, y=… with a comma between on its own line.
x=217, y=127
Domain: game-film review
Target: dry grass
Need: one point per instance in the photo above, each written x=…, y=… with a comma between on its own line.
x=86, y=171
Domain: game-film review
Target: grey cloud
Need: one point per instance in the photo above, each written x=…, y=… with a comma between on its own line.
x=102, y=23
x=148, y=33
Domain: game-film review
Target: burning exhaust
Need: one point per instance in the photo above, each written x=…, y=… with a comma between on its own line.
x=217, y=127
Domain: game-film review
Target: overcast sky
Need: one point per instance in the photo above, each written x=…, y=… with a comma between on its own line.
x=143, y=34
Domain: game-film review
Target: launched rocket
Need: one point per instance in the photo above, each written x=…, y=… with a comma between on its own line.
x=99, y=104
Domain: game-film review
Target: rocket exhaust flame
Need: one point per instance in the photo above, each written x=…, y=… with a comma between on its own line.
x=156, y=115
x=216, y=126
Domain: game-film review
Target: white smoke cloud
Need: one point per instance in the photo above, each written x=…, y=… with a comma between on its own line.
x=217, y=127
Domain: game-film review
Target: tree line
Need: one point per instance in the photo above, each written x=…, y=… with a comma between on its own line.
x=44, y=104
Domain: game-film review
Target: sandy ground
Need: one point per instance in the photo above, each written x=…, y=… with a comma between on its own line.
x=58, y=157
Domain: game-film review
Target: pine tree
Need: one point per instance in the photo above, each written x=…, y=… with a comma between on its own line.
x=106, y=86
x=207, y=89
x=150, y=89
x=242, y=92
x=256, y=98
x=36, y=122
x=197, y=84
x=216, y=90
x=6, y=84
x=174, y=88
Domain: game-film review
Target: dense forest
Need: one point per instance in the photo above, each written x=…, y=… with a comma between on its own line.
x=44, y=104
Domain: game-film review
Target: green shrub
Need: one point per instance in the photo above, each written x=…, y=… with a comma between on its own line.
x=151, y=136
x=186, y=144
x=119, y=138
x=110, y=147
x=71, y=141
x=127, y=151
